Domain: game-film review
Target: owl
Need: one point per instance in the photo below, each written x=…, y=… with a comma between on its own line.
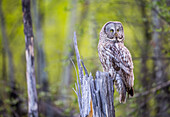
x=116, y=58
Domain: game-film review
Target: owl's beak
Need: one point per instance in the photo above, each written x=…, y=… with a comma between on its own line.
x=116, y=35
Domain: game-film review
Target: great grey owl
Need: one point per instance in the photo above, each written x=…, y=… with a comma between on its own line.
x=116, y=58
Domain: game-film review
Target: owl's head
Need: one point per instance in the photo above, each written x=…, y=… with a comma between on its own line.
x=112, y=31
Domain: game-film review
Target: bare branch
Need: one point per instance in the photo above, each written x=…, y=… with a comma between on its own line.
x=153, y=90
x=78, y=58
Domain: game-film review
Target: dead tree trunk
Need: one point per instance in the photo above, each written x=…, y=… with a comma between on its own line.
x=98, y=91
x=30, y=72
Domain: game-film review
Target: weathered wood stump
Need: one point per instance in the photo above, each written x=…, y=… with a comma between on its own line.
x=99, y=90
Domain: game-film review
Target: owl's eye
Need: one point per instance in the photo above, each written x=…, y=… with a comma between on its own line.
x=117, y=30
x=111, y=30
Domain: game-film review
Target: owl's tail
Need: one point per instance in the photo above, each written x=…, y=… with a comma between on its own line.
x=120, y=86
x=122, y=96
x=131, y=91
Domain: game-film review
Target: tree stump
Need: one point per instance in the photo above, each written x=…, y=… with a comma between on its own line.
x=98, y=91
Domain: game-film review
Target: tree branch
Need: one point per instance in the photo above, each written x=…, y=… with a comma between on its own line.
x=153, y=90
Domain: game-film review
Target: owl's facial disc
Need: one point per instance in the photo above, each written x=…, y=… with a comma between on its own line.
x=119, y=32
x=114, y=31
x=110, y=30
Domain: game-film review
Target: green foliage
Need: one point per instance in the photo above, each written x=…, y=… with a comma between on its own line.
x=91, y=15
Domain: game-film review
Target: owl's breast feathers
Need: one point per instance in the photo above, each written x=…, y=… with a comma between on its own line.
x=116, y=55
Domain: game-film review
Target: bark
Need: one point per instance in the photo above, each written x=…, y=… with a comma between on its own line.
x=30, y=70
x=41, y=64
x=95, y=96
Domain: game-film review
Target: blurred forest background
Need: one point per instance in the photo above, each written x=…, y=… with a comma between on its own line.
x=147, y=36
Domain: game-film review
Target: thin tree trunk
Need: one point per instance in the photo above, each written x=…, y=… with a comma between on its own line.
x=30, y=71
x=162, y=98
x=6, y=47
x=84, y=14
x=3, y=82
x=42, y=75
x=41, y=63
x=66, y=80
x=4, y=73
x=144, y=107
x=15, y=107
x=94, y=31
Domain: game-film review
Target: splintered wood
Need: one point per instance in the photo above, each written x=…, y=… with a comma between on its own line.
x=96, y=92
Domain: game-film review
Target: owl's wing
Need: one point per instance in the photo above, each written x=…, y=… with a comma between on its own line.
x=121, y=56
